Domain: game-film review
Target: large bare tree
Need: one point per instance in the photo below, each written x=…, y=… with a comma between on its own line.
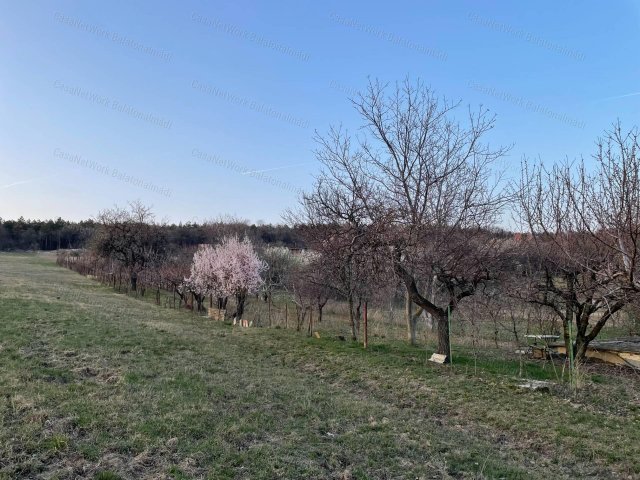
x=420, y=185
x=585, y=233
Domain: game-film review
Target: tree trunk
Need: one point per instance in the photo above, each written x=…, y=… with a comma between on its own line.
x=354, y=334
x=580, y=348
x=567, y=338
x=240, y=299
x=301, y=312
x=134, y=281
x=568, y=318
x=444, y=344
x=440, y=314
x=411, y=320
x=222, y=303
x=432, y=298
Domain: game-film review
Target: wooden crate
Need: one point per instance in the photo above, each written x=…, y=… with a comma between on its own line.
x=216, y=314
x=539, y=352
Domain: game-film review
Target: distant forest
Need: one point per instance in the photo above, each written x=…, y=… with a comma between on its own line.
x=24, y=234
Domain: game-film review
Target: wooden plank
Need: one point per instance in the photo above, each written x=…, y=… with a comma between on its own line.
x=438, y=358
x=543, y=337
x=630, y=344
x=630, y=359
x=608, y=357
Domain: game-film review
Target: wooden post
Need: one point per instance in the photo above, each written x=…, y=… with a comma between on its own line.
x=366, y=333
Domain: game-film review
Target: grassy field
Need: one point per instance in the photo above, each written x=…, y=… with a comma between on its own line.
x=95, y=384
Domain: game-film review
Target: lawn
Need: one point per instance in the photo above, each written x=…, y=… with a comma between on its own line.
x=96, y=384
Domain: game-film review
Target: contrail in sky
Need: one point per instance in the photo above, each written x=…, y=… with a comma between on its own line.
x=619, y=96
x=275, y=168
x=19, y=182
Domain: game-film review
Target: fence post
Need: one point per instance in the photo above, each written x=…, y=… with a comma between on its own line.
x=366, y=326
x=449, y=328
x=570, y=354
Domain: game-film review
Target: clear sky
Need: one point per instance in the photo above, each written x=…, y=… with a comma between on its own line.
x=208, y=108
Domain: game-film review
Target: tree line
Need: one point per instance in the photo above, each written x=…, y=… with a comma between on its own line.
x=23, y=234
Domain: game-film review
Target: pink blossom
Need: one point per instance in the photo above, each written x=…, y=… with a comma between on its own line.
x=229, y=268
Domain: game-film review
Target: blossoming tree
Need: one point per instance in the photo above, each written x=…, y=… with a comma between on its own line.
x=231, y=268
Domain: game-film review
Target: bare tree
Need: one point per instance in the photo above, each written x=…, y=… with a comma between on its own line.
x=131, y=237
x=281, y=263
x=585, y=231
x=174, y=271
x=332, y=223
x=610, y=201
x=421, y=184
x=313, y=280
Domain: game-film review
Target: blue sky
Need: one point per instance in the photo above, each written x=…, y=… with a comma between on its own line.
x=208, y=108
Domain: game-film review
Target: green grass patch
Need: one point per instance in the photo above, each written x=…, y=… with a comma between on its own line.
x=97, y=384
